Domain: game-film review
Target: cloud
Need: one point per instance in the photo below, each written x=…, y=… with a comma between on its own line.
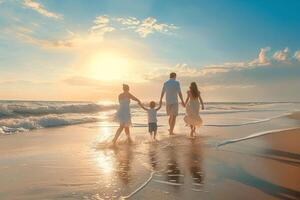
x=149, y=26
x=101, y=26
x=297, y=55
x=130, y=21
x=208, y=70
x=262, y=59
x=282, y=55
x=41, y=9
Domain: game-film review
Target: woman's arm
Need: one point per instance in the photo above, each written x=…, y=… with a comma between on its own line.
x=201, y=101
x=134, y=98
x=187, y=98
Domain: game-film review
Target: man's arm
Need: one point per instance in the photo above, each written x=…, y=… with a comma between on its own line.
x=180, y=95
x=162, y=95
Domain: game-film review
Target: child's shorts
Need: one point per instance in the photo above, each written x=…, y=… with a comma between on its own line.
x=152, y=127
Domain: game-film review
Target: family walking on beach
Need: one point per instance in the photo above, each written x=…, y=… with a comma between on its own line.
x=171, y=89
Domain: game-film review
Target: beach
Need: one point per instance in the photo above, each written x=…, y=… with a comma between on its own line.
x=250, y=153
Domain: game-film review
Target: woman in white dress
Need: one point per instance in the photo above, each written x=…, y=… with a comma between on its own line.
x=123, y=114
x=193, y=100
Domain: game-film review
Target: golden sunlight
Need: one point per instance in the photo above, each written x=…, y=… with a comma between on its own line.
x=109, y=66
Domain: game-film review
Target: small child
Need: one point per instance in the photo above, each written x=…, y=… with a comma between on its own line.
x=152, y=118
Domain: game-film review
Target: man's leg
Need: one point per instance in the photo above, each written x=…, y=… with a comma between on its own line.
x=172, y=124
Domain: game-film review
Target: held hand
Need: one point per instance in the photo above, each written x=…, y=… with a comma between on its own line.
x=183, y=104
x=160, y=102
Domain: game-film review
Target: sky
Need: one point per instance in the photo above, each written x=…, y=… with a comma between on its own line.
x=85, y=50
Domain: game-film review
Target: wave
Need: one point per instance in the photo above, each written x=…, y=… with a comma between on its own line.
x=254, y=135
x=8, y=110
x=10, y=126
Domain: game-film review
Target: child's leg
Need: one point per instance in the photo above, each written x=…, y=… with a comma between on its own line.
x=150, y=132
x=154, y=135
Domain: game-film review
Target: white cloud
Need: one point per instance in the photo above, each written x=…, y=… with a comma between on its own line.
x=262, y=59
x=282, y=55
x=40, y=9
x=130, y=21
x=101, y=26
x=188, y=71
x=150, y=26
x=297, y=55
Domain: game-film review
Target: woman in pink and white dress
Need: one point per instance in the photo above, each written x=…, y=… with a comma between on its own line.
x=193, y=100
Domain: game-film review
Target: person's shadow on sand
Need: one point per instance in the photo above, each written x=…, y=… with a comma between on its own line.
x=240, y=175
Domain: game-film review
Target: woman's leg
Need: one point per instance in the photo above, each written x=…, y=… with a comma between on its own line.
x=191, y=133
x=127, y=131
x=194, y=130
x=118, y=132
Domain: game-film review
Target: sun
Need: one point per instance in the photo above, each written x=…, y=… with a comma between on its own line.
x=108, y=66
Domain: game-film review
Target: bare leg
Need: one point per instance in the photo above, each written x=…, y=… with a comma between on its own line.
x=172, y=124
x=154, y=135
x=193, y=131
x=119, y=131
x=191, y=134
x=127, y=131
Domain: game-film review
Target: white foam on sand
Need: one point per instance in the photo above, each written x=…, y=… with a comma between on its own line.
x=250, y=122
x=255, y=135
x=141, y=187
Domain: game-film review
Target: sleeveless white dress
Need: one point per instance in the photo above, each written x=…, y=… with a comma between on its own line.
x=123, y=113
x=192, y=116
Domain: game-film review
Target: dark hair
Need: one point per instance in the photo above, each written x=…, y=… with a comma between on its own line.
x=172, y=75
x=194, y=90
x=125, y=87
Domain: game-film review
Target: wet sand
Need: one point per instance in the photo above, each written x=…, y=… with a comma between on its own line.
x=75, y=162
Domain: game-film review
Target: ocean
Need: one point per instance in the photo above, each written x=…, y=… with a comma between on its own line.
x=23, y=116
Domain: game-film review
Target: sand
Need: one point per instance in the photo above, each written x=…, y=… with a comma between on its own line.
x=75, y=162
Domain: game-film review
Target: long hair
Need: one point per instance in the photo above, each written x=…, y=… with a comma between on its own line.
x=194, y=90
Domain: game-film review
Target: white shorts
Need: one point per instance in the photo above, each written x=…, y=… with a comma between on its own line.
x=172, y=109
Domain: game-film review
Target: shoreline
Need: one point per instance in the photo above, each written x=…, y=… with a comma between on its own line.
x=74, y=162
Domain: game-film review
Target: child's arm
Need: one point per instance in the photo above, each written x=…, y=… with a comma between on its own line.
x=159, y=107
x=201, y=101
x=143, y=107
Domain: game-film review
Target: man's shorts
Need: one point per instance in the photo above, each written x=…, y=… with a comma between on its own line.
x=152, y=127
x=172, y=109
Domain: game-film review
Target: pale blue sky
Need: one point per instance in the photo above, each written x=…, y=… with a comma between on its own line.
x=46, y=43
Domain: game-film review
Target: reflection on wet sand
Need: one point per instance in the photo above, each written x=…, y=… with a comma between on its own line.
x=153, y=157
x=173, y=173
x=123, y=157
x=195, y=161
